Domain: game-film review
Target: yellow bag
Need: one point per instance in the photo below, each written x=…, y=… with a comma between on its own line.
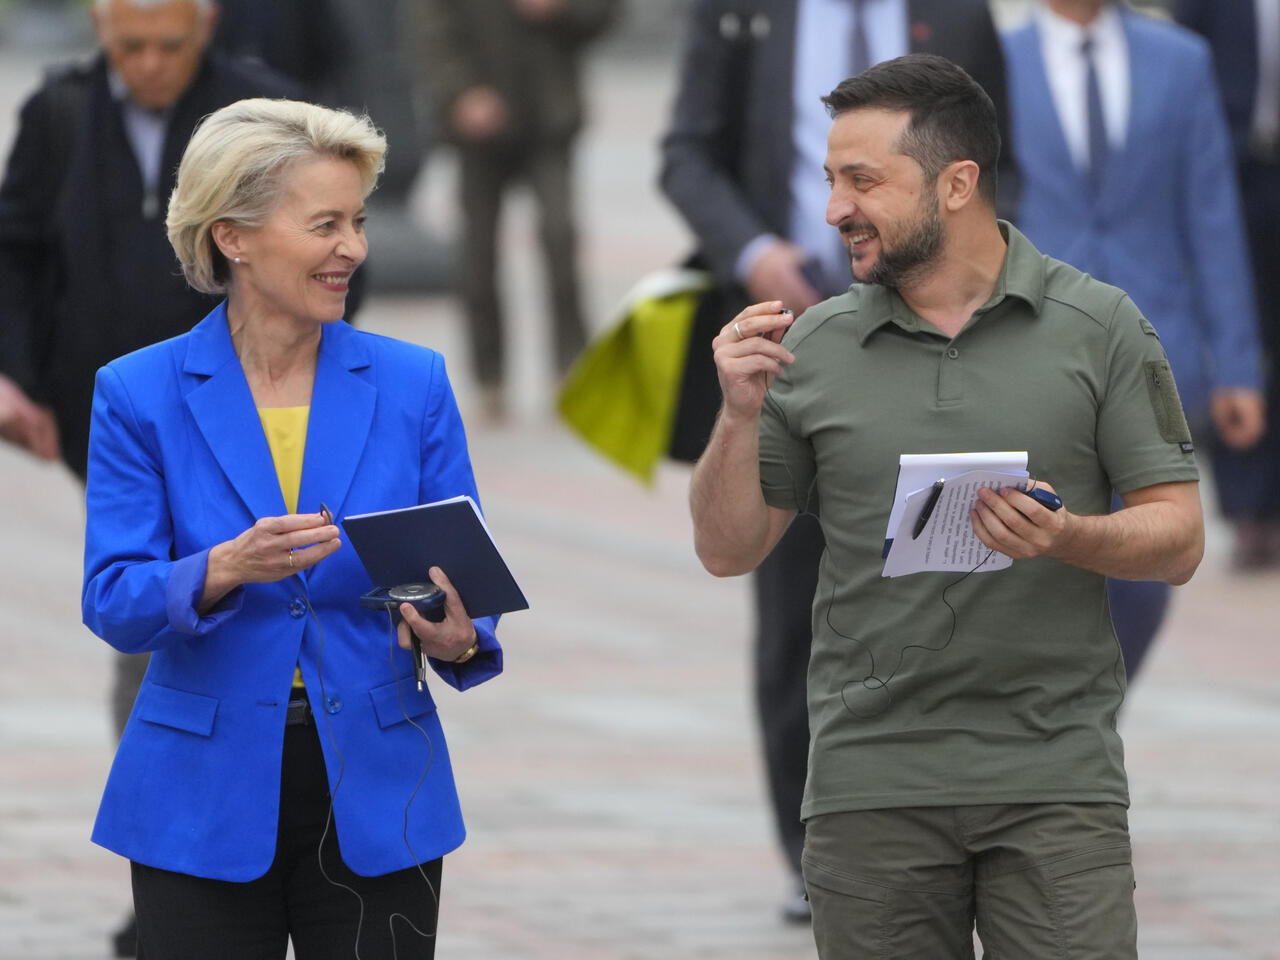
x=621, y=393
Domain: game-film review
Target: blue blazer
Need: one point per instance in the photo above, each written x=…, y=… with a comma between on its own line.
x=178, y=463
x=1167, y=227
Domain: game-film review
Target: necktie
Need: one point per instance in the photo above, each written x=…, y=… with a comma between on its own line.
x=1097, y=125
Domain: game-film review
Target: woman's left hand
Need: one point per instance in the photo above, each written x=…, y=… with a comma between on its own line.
x=451, y=637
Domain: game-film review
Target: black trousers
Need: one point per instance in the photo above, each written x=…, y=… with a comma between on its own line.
x=181, y=917
x=784, y=586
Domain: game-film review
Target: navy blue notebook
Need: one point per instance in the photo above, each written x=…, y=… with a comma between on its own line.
x=400, y=546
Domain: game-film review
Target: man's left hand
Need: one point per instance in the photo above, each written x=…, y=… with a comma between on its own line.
x=1010, y=522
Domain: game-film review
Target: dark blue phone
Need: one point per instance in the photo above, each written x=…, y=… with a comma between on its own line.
x=1046, y=498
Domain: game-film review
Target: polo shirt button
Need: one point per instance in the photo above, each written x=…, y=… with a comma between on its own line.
x=297, y=608
x=332, y=703
x=953, y=353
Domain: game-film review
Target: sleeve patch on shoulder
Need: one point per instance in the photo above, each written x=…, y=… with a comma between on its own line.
x=1166, y=404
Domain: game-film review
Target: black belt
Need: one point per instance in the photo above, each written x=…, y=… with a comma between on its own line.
x=299, y=713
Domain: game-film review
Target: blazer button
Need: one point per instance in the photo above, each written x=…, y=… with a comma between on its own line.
x=332, y=703
x=297, y=608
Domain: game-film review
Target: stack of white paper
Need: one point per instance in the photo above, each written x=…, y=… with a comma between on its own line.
x=946, y=541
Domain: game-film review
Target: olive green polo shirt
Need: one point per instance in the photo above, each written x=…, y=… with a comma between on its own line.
x=1014, y=699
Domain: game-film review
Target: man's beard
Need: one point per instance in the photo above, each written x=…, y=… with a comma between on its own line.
x=910, y=259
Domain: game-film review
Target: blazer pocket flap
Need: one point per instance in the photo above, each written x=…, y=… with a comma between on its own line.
x=1117, y=856
x=168, y=707
x=818, y=874
x=394, y=702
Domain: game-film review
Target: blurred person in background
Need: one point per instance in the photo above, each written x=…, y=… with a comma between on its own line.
x=505, y=78
x=300, y=38
x=1127, y=174
x=742, y=162
x=1245, y=38
x=85, y=267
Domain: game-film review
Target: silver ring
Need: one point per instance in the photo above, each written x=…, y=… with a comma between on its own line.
x=737, y=331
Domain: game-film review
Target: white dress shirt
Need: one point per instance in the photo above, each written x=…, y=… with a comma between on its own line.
x=823, y=49
x=1060, y=42
x=146, y=130
x=1266, y=107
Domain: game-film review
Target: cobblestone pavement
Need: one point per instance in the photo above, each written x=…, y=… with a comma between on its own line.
x=610, y=778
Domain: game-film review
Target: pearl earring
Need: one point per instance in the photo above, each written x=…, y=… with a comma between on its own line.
x=235, y=259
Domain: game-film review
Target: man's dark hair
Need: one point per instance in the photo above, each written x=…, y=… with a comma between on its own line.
x=952, y=118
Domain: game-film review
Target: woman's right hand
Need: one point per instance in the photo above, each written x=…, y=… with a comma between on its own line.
x=272, y=549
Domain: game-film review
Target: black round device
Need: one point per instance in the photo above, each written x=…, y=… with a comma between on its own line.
x=427, y=598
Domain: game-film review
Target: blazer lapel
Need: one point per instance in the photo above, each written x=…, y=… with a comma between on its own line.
x=1146, y=91
x=223, y=409
x=342, y=405
x=1049, y=144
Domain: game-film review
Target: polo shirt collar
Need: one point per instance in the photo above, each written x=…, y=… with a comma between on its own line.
x=1021, y=276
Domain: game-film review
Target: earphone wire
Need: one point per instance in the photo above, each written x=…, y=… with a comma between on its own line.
x=426, y=770
x=806, y=499
x=342, y=768
x=342, y=765
x=884, y=683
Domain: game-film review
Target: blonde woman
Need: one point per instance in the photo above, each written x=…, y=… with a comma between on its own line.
x=281, y=776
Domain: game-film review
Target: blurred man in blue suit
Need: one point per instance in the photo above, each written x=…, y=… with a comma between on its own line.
x=1245, y=38
x=1127, y=173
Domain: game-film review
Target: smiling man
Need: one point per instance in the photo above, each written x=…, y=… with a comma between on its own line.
x=965, y=766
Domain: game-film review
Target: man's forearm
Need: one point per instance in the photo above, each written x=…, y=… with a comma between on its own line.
x=732, y=524
x=1160, y=539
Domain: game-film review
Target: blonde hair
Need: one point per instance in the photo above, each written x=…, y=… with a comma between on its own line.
x=233, y=170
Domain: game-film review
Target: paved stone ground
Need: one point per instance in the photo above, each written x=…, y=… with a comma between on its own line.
x=610, y=777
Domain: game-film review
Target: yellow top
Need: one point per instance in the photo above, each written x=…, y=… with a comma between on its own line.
x=286, y=430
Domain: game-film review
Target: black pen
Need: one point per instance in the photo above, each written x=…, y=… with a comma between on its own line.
x=927, y=512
